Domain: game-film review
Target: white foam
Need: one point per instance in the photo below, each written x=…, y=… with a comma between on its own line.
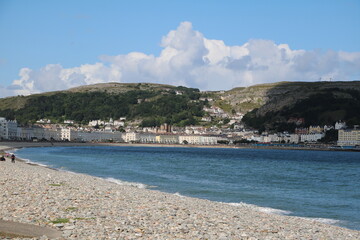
x=64, y=169
x=274, y=211
x=134, y=184
x=113, y=180
x=324, y=220
x=283, y=212
x=241, y=204
x=178, y=194
x=261, y=209
x=11, y=151
x=34, y=163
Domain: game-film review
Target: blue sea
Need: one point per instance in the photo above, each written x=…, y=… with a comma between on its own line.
x=313, y=184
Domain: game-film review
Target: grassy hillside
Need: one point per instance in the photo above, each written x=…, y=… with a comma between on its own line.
x=116, y=88
x=267, y=106
x=154, y=104
x=19, y=102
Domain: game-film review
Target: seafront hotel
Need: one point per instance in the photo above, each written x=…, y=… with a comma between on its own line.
x=349, y=137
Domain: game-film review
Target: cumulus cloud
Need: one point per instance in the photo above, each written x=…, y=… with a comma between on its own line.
x=188, y=58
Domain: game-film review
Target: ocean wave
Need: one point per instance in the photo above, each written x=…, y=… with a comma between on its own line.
x=113, y=180
x=64, y=169
x=28, y=161
x=274, y=211
x=284, y=212
x=134, y=184
x=325, y=220
x=12, y=150
x=178, y=194
x=261, y=209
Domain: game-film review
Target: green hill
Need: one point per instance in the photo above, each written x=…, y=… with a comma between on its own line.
x=154, y=104
x=266, y=106
x=318, y=103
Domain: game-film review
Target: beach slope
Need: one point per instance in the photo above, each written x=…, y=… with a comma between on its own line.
x=86, y=207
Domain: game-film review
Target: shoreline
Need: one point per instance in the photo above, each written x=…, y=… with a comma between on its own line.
x=12, y=145
x=97, y=208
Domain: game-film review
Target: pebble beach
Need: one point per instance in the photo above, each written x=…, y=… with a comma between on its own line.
x=85, y=207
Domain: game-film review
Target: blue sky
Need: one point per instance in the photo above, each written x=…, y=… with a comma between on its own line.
x=38, y=34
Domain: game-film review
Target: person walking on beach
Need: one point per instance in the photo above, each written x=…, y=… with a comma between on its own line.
x=13, y=158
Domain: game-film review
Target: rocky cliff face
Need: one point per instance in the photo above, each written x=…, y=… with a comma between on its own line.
x=276, y=96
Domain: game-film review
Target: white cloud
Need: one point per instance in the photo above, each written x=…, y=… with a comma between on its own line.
x=190, y=59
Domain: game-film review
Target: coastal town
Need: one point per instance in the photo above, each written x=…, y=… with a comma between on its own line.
x=177, y=120
x=120, y=131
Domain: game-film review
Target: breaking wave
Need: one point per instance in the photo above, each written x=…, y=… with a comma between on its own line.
x=261, y=209
x=125, y=183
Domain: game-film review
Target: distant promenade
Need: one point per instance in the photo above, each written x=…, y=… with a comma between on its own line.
x=15, y=144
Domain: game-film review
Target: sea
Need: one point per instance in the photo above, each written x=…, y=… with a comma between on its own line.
x=321, y=185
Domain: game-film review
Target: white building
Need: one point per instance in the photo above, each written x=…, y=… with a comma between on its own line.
x=132, y=137
x=93, y=123
x=3, y=128
x=150, y=129
x=44, y=121
x=315, y=129
x=68, y=134
x=265, y=139
x=25, y=133
x=99, y=136
x=52, y=134
x=68, y=121
x=327, y=128
x=253, y=137
x=238, y=116
x=109, y=128
x=12, y=129
x=8, y=129
x=195, y=130
x=233, y=121
x=118, y=123
x=274, y=138
x=38, y=133
x=189, y=139
x=287, y=138
x=294, y=138
x=314, y=137
x=340, y=125
x=349, y=137
x=208, y=140
x=147, y=138
x=206, y=119
x=167, y=139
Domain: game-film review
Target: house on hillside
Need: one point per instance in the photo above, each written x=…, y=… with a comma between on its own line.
x=340, y=125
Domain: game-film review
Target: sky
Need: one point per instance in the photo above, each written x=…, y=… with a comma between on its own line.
x=206, y=44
